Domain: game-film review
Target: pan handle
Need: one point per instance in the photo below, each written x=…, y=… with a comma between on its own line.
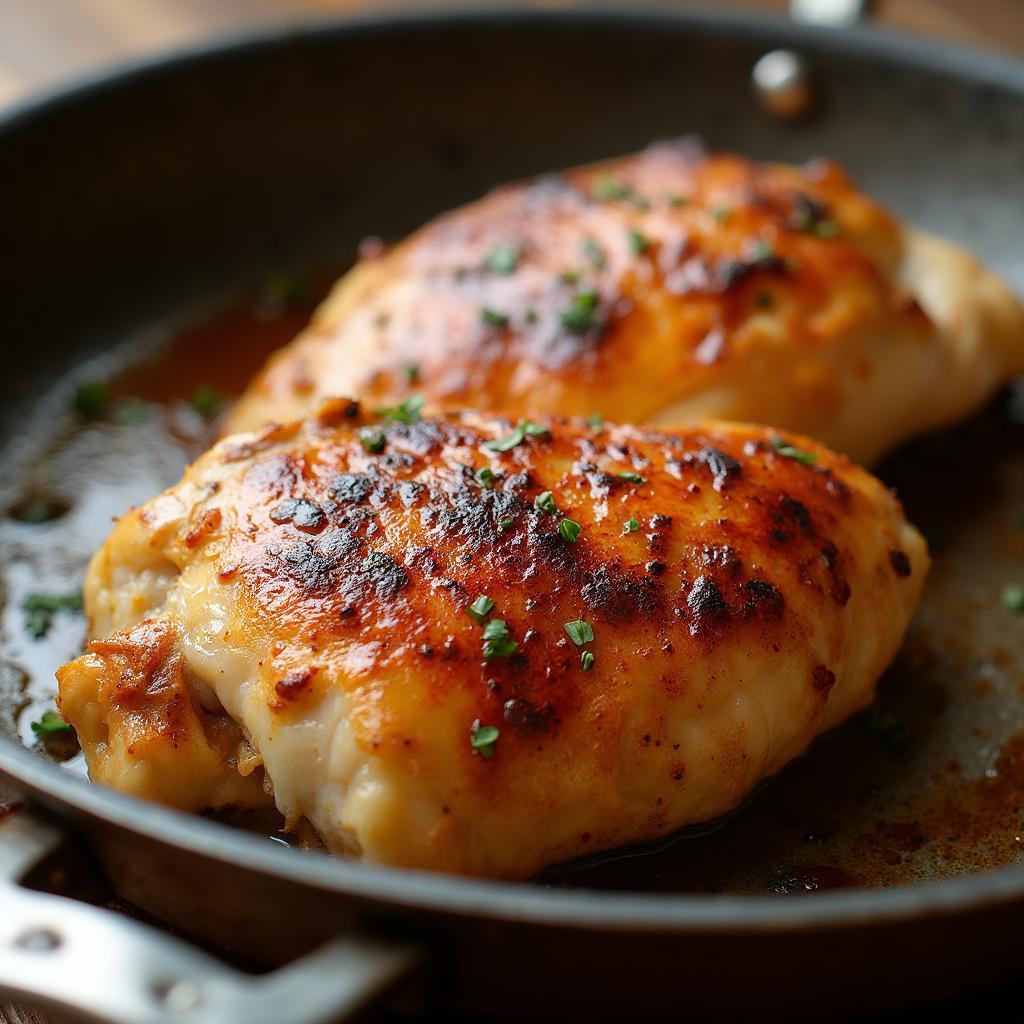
x=68, y=956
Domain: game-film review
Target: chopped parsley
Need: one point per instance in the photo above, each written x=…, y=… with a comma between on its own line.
x=483, y=737
x=582, y=314
x=638, y=242
x=545, y=502
x=631, y=525
x=721, y=213
x=50, y=724
x=412, y=372
x=372, y=441
x=486, y=478
x=586, y=661
x=40, y=610
x=608, y=188
x=1013, y=597
x=480, y=609
x=531, y=316
x=570, y=530
x=407, y=411
x=505, y=522
x=826, y=229
x=579, y=632
x=497, y=641
x=493, y=318
x=569, y=276
x=761, y=251
x=675, y=201
x=503, y=259
x=91, y=399
x=131, y=412
x=632, y=478
x=523, y=430
x=595, y=421
x=207, y=401
x=807, y=458
x=594, y=254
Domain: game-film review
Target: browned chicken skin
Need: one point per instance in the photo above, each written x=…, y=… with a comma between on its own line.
x=447, y=656
x=666, y=287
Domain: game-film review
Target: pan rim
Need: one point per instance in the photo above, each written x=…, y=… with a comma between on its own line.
x=498, y=900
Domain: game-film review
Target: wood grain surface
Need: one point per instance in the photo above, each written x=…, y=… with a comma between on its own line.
x=46, y=42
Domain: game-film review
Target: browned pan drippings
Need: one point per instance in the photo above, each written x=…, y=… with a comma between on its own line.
x=929, y=783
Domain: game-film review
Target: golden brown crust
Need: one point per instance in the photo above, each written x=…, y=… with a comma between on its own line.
x=764, y=586
x=720, y=287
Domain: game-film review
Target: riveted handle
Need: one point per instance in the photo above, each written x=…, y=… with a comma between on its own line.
x=67, y=956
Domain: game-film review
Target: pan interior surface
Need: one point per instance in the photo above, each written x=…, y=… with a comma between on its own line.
x=285, y=153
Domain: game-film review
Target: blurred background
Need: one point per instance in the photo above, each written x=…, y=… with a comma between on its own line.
x=45, y=42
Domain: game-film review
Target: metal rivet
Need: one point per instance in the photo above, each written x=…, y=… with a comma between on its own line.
x=178, y=996
x=783, y=85
x=38, y=940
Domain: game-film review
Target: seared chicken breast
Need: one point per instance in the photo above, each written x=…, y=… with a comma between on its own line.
x=665, y=288
x=483, y=646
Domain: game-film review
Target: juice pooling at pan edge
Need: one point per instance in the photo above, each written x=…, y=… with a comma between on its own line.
x=465, y=645
x=666, y=287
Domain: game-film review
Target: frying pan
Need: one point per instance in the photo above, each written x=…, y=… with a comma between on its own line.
x=133, y=197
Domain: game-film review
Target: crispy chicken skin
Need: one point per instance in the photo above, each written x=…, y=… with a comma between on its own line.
x=311, y=584
x=665, y=288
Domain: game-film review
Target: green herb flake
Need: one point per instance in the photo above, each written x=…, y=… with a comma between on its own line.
x=608, y=188
x=482, y=738
x=505, y=523
x=676, y=201
x=407, y=411
x=486, y=478
x=596, y=422
x=131, y=412
x=545, y=502
x=787, y=450
x=40, y=610
x=412, y=373
x=523, y=430
x=207, y=401
x=1013, y=597
x=492, y=318
x=631, y=525
x=372, y=441
x=503, y=259
x=50, y=724
x=632, y=478
x=579, y=632
x=827, y=229
x=497, y=642
x=582, y=314
x=762, y=251
x=285, y=290
x=638, y=242
x=570, y=530
x=480, y=609
x=594, y=254
x=721, y=213
x=640, y=203
x=569, y=276
x=531, y=316
x=586, y=661
x=91, y=399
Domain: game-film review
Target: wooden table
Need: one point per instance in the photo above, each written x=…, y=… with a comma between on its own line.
x=46, y=42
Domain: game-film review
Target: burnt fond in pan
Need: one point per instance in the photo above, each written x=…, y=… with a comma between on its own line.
x=143, y=202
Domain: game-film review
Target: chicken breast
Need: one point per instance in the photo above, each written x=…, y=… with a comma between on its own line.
x=665, y=288
x=475, y=647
